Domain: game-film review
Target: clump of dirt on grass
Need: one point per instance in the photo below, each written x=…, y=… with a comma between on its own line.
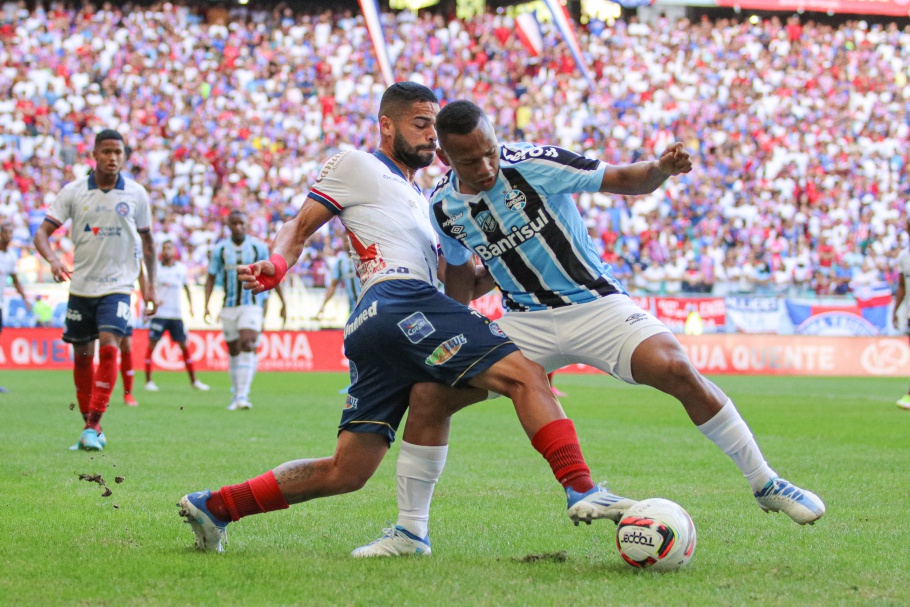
x=554, y=557
x=97, y=478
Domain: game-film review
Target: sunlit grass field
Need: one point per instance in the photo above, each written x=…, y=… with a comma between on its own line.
x=499, y=531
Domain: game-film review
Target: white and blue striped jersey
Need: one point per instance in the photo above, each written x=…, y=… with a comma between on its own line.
x=527, y=229
x=226, y=256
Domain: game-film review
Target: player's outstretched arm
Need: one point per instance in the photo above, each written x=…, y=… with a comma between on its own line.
x=645, y=177
x=43, y=245
x=265, y=275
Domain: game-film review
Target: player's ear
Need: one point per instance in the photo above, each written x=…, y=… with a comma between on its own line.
x=442, y=157
x=385, y=126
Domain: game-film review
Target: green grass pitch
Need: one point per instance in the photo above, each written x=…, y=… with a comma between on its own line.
x=499, y=531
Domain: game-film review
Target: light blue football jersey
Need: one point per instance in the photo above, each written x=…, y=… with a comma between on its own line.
x=527, y=230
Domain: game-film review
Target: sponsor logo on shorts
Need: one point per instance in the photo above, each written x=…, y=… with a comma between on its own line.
x=637, y=317
x=486, y=222
x=350, y=402
x=495, y=330
x=416, y=327
x=516, y=200
x=72, y=314
x=446, y=350
x=353, y=369
x=122, y=209
x=361, y=318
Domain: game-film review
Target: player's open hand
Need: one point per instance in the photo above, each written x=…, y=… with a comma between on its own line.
x=61, y=272
x=675, y=160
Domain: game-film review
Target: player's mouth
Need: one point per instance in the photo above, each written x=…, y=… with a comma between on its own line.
x=487, y=183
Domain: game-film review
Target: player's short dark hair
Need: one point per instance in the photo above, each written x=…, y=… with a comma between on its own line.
x=458, y=118
x=108, y=135
x=401, y=96
x=236, y=213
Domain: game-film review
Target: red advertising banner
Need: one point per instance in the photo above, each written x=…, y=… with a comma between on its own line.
x=322, y=351
x=792, y=355
x=673, y=312
x=894, y=8
x=278, y=350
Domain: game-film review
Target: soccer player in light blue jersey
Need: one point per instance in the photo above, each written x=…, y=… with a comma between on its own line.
x=242, y=312
x=512, y=206
x=402, y=332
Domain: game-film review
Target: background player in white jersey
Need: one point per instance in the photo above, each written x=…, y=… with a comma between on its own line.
x=900, y=311
x=111, y=223
x=403, y=331
x=242, y=312
x=512, y=206
x=172, y=284
x=8, y=261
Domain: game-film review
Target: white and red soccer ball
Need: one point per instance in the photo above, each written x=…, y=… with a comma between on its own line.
x=656, y=534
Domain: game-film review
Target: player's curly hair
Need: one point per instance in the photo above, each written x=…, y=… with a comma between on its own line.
x=458, y=118
x=401, y=96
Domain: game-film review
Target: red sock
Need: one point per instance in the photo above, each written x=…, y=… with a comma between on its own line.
x=148, y=365
x=255, y=496
x=188, y=361
x=558, y=443
x=126, y=370
x=84, y=375
x=105, y=379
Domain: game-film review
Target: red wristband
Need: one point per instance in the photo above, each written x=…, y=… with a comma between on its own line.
x=281, y=268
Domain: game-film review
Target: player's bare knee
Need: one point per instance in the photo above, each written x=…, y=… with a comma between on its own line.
x=680, y=372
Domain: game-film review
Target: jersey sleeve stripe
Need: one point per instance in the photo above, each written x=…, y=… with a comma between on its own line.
x=143, y=230
x=325, y=201
x=50, y=219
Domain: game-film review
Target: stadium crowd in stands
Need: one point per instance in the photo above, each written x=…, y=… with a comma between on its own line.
x=799, y=131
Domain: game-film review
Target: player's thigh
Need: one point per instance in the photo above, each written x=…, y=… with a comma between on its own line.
x=250, y=319
x=176, y=330
x=605, y=333
x=157, y=327
x=113, y=314
x=229, y=318
x=80, y=325
x=535, y=334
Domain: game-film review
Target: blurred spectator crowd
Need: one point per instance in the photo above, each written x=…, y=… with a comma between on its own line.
x=798, y=131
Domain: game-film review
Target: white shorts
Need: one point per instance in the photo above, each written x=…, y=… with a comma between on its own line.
x=237, y=318
x=602, y=333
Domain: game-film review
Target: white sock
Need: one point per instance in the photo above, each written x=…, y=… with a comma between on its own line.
x=246, y=362
x=232, y=371
x=729, y=431
x=419, y=468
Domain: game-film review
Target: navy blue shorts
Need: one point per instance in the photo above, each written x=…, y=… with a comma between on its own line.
x=174, y=326
x=88, y=316
x=404, y=332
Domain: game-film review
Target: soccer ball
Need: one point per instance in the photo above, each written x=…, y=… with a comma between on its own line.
x=656, y=534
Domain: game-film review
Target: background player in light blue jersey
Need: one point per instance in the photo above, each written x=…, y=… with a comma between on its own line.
x=512, y=206
x=242, y=312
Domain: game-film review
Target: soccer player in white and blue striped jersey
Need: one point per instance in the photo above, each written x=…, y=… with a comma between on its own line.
x=512, y=206
x=242, y=313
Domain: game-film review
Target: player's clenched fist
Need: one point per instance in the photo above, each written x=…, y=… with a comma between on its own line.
x=675, y=160
x=263, y=275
